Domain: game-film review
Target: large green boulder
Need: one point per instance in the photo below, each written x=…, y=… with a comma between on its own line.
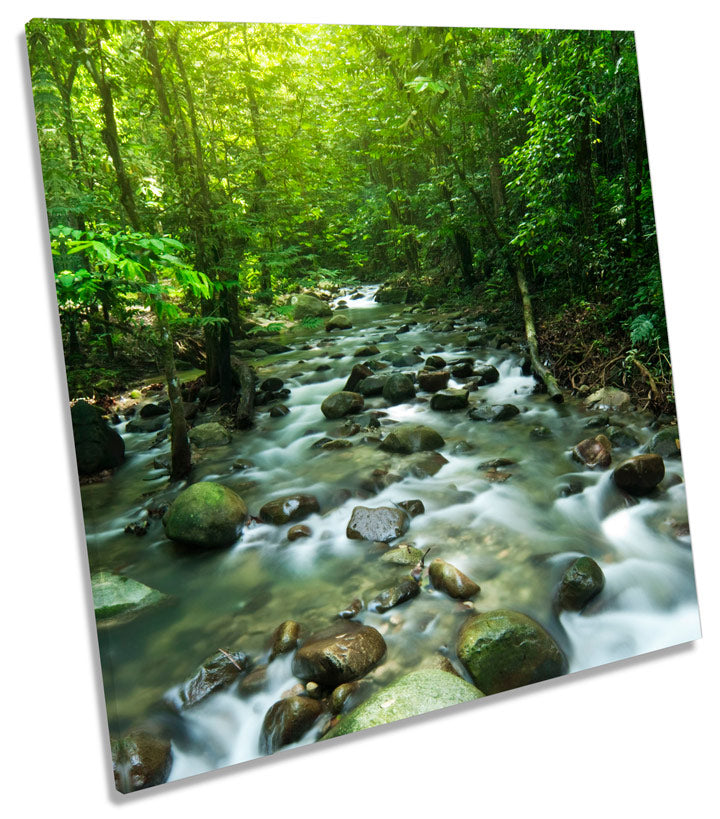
x=309, y=306
x=206, y=515
x=208, y=435
x=505, y=649
x=409, y=438
x=97, y=446
x=115, y=595
x=413, y=694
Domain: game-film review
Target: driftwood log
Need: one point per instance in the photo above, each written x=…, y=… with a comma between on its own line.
x=541, y=371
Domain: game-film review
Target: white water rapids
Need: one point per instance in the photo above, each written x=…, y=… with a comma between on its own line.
x=514, y=538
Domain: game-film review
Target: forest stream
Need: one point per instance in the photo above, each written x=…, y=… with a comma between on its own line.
x=512, y=526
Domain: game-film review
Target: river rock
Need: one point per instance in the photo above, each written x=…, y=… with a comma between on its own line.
x=357, y=374
x=341, y=695
x=115, y=595
x=409, y=438
x=494, y=414
x=299, y=531
x=217, y=672
x=154, y=424
x=394, y=596
x=413, y=507
x=449, y=579
x=340, y=322
x=339, y=404
x=665, y=443
x=153, y=410
x=388, y=338
x=594, y=452
x=541, y=433
x=309, y=306
x=97, y=446
x=372, y=385
x=398, y=388
x=608, y=398
x=433, y=380
x=279, y=411
x=285, y=638
x=287, y=721
x=620, y=437
x=640, y=474
x=486, y=374
x=288, y=508
x=450, y=400
x=435, y=362
x=415, y=693
x=207, y=435
x=403, y=555
x=424, y=464
x=505, y=649
x=206, y=515
x=366, y=352
x=343, y=652
x=140, y=760
x=582, y=581
x=384, y=523
x=462, y=370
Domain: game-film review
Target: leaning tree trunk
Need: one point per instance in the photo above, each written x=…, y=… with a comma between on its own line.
x=246, y=401
x=539, y=368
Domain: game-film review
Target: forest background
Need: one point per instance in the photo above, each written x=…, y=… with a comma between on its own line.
x=664, y=696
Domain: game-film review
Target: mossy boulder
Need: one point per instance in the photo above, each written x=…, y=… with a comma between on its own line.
x=338, y=322
x=505, y=649
x=206, y=515
x=582, y=580
x=415, y=693
x=449, y=400
x=339, y=404
x=207, y=435
x=97, y=446
x=307, y=306
x=115, y=595
x=665, y=443
x=409, y=438
x=398, y=388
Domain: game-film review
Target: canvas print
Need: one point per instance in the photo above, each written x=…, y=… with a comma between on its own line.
x=368, y=372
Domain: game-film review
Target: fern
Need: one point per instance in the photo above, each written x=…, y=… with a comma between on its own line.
x=643, y=330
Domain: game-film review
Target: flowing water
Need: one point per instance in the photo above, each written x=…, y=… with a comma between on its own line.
x=515, y=538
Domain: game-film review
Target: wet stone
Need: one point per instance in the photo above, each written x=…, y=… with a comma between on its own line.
x=279, y=411
x=432, y=381
x=582, y=581
x=493, y=414
x=339, y=404
x=593, y=452
x=216, y=672
x=413, y=507
x=285, y=638
x=365, y=352
x=299, y=531
x=384, y=523
x=352, y=610
x=435, y=362
x=140, y=760
x=398, y=388
x=357, y=374
x=486, y=374
x=409, y=438
x=541, y=433
x=289, y=508
x=209, y=435
x=287, y=721
x=449, y=579
x=450, y=400
x=403, y=555
x=341, y=653
x=272, y=384
x=640, y=474
x=505, y=649
x=372, y=385
x=402, y=592
x=665, y=443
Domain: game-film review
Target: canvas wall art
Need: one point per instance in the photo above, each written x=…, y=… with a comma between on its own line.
x=368, y=372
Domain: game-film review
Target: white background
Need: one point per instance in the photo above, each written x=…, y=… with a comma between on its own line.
x=636, y=738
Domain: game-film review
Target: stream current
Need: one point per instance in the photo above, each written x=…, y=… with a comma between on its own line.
x=515, y=538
